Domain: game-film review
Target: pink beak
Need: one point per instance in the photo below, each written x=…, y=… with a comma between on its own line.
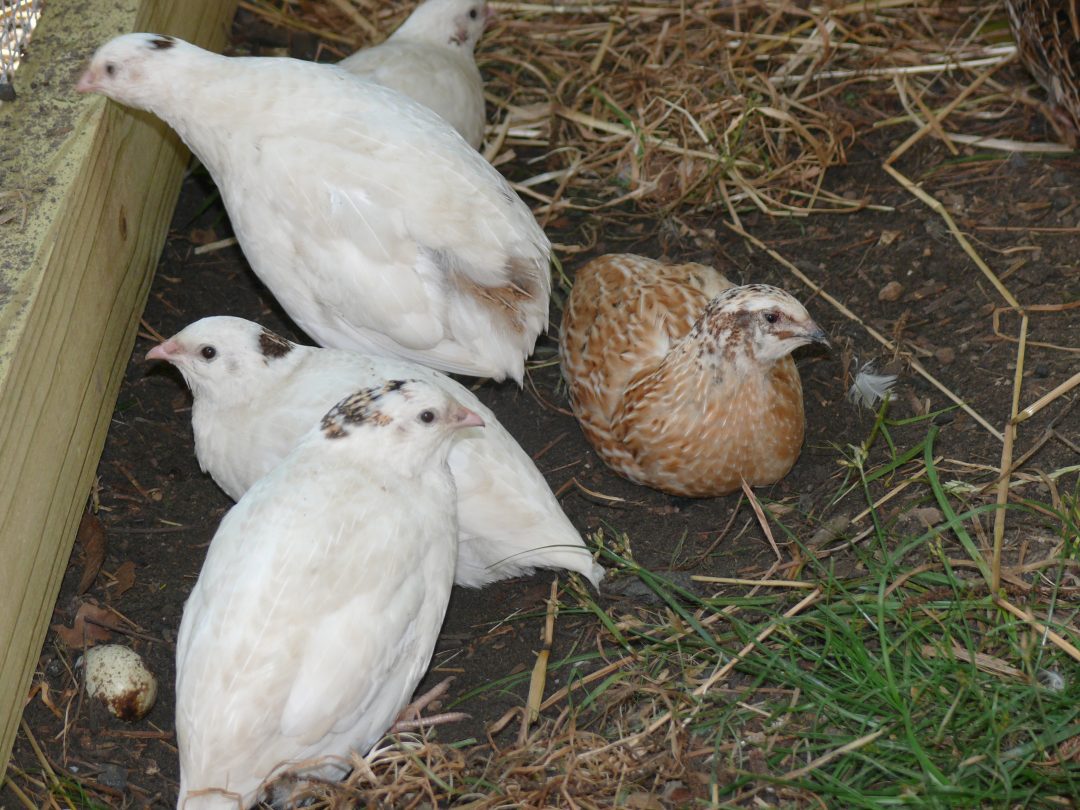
x=166, y=351
x=87, y=82
x=466, y=418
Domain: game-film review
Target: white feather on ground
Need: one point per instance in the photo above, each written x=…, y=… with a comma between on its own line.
x=258, y=393
x=374, y=224
x=320, y=601
x=430, y=59
x=869, y=388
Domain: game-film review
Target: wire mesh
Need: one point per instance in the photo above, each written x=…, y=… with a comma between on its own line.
x=17, y=21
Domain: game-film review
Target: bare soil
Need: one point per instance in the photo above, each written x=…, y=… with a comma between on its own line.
x=159, y=511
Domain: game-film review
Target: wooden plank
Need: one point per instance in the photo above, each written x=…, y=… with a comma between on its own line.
x=99, y=184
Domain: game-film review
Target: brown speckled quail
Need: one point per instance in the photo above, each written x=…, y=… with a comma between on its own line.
x=682, y=381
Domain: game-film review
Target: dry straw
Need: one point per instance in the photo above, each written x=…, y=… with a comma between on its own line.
x=670, y=104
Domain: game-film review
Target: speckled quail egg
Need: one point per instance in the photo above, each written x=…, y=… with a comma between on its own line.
x=119, y=678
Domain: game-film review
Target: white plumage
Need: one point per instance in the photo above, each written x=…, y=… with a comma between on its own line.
x=370, y=219
x=320, y=601
x=430, y=59
x=869, y=388
x=257, y=393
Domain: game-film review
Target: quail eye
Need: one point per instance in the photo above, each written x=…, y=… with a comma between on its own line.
x=427, y=417
x=208, y=352
x=110, y=68
x=772, y=317
x=473, y=13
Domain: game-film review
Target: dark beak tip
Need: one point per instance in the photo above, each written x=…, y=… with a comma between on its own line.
x=819, y=335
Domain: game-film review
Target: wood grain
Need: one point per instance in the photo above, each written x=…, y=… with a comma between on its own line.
x=95, y=186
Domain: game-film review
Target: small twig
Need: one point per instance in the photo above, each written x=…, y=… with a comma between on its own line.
x=932, y=120
x=918, y=135
x=46, y=766
x=824, y=759
x=1046, y=399
x=795, y=610
x=346, y=8
x=538, y=679
x=147, y=494
x=22, y=797
x=138, y=735
x=212, y=247
x=987, y=663
x=962, y=240
x=429, y=721
x=547, y=447
x=594, y=66
x=151, y=331
x=756, y=506
x=1009, y=145
x=759, y=583
x=615, y=666
x=892, y=493
x=1006, y=460
x=1025, y=616
x=598, y=495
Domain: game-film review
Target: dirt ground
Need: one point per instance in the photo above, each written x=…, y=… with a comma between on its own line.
x=159, y=512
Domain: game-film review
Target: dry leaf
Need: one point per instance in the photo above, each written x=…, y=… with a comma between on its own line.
x=87, y=629
x=91, y=538
x=50, y=704
x=123, y=579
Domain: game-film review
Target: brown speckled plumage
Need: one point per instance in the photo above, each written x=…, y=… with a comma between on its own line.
x=357, y=409
x=272, y=345
x=668, y=376
x=1047, y=34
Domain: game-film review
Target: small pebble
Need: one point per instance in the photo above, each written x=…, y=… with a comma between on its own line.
x=945, y=355
x=891, y=291
x=112, y=775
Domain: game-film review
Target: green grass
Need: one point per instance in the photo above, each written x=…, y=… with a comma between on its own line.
x=31, y=788
x=908, y=686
